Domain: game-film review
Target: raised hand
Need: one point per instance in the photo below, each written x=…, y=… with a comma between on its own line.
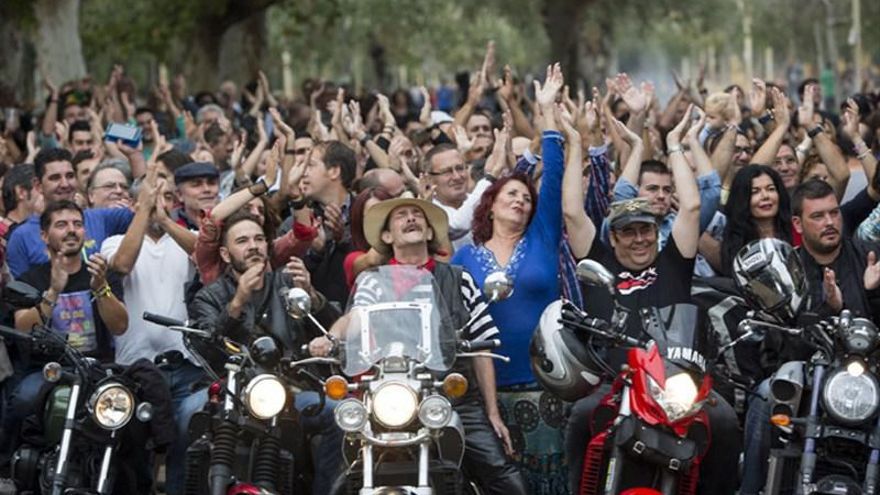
x=758, y=97
x=693, y=134
x=505, y=86
x=97, y=267
x=634, y=98
x=833, y=296
x=58, y=276
x=806, y=112
x=247, y=283
x=462, y=141
x=282, y=126
x=851, y=121
x=333, y=221
x=780, y=108
x=545, y=94
x=673, y=138
x=425, y=112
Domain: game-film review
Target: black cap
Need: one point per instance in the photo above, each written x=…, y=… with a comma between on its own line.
x=195, y=170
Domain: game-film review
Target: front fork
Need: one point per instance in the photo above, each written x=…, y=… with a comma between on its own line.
x=808, y=459
x=61, y=466
x=616, y=459
x=104, y=476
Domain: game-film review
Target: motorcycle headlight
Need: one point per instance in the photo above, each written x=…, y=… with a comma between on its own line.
x=851, y=394
x=111, y=405
x=395, y=404
x=265, y=396
x=678, y=398
x=351, y=415
x=435, y=412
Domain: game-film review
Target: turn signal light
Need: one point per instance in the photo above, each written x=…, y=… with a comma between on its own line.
x=336, y=387
x=455, y=385
x=781, y=420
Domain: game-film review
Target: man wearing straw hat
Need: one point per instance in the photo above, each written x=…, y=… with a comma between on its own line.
x=410, y=231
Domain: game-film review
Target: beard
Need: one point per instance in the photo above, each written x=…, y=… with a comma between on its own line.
x=241, y=265
x=67, y=250
x=818, y=245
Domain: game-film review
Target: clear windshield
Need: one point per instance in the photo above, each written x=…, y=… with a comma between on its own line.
x=397, y=311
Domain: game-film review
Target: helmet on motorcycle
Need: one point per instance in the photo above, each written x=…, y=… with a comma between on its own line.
x=771, y=277
x=560, y=360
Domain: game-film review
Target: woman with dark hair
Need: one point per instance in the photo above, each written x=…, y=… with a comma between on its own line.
x=758, y=207
x=362, y=256
x=515, y=232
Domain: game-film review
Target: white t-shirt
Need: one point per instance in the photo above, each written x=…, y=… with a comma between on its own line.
x=155, y=284
x=460, y=218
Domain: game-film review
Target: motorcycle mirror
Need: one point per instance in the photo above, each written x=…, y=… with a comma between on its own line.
x=20, y=295
x=592, y=272
x=497, y=286
x=298, y=302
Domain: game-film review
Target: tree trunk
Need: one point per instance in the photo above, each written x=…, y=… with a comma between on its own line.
x=201, y=59
x=242, y=47
x=13, y=76
x=562, y=20
x=57, y=41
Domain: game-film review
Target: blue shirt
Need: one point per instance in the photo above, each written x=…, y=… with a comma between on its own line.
x=26, y=248
x=533, y=267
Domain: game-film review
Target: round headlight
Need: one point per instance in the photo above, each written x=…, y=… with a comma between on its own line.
x=265, y=396
x=395, y=404
x=112, y=405
x=351, y=415
x=435, y=412
x=851, y=395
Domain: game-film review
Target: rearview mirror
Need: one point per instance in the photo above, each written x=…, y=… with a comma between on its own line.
x=298, y=302
x=497, y=286
x=20, y=295
x=592, y=272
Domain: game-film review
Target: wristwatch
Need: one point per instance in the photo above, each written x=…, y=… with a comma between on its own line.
x=815, y=131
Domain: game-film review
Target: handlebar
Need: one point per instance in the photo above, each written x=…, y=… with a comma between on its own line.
x=482, y=345
x=163, y=320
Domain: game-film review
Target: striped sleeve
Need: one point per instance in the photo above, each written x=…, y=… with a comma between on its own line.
x=368, y=291
x=483, y=326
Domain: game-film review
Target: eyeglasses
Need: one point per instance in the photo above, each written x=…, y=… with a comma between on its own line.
x=742, y=149
x=301, y=151
x=458, y=169
x=110, y=186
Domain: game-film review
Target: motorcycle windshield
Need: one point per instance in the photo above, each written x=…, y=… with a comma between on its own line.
x=680, y=333
x=395, y=311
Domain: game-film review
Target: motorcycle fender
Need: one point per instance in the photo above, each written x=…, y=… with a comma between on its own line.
x=55, y=413
x=450, y=443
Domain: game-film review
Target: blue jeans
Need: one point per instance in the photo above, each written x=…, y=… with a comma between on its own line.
x=186, y=403
x=328, y=458
x=756, y=446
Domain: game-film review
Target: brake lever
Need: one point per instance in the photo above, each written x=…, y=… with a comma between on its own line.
x=483, y=354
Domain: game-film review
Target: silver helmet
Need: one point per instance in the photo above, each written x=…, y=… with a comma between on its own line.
x=771, y=276
x=560, y=360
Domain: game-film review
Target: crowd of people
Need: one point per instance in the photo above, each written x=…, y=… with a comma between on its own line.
x=230, y=194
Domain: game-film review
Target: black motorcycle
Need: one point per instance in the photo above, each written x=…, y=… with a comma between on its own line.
x=825, y=410
x=72, y=443
x=247, y=439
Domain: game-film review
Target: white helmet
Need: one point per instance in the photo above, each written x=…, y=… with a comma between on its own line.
x=560, y=360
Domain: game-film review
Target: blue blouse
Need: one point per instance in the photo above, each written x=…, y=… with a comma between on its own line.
x=533, y=268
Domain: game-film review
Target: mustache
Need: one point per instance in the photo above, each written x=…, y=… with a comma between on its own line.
x=830, y=230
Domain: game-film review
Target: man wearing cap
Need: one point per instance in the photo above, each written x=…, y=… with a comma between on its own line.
x=410, y=230
x=197, y=189
x=645, y=277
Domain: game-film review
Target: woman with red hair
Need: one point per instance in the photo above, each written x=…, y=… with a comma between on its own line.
x=515, y=232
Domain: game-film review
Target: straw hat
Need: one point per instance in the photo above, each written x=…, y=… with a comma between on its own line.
x=377, y=216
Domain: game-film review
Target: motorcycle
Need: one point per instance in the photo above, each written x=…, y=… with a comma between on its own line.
x=825, y=410
x=402, y=433
x=247, y=439
x=650, y=431
x=85, y=419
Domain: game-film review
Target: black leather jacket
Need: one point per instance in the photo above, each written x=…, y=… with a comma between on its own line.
x=264, y=314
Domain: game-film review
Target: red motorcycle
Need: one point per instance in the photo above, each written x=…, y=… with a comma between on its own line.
x=649, y=433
